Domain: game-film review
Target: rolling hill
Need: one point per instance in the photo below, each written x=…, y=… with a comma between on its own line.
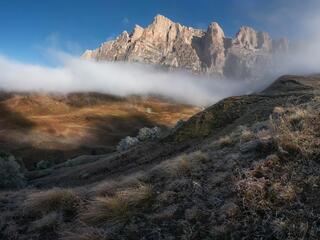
x=54, y=127
x=246, y=167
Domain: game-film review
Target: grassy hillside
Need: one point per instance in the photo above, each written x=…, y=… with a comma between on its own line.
x=245, y=168
x=55, y=128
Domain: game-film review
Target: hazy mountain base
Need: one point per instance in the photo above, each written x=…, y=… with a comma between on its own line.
x=252, y=173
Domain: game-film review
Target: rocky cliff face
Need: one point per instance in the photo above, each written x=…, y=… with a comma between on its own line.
x=172, y=45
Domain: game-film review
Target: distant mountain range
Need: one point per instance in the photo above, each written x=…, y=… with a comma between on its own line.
x=175, y=46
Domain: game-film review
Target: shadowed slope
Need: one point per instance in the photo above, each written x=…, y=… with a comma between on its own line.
x=215, y=121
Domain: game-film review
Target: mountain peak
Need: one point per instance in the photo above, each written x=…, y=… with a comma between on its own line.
x=137, y=32
x=249, y=38
x=214, y=28
x=172, y=45
x=160, y=20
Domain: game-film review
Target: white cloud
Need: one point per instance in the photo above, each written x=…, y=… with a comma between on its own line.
x=123, y=79
x=116, y=78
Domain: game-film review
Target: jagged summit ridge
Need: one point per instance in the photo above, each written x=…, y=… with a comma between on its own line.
x=173, y=45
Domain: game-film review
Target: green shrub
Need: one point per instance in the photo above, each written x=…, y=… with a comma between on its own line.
x=44, y=164
x=127, y=143
x=147, y=134
x=11, y=172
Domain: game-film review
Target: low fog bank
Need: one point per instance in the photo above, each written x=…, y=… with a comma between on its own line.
x=303, y=59
x=121, y=79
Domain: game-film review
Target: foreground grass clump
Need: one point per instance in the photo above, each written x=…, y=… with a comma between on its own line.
x=225, y=141
x=279, y=195
x=246, y=135
x=120, y=206
x=56, y=199
x=297, y=130
x=191, y=163
x=183, y=165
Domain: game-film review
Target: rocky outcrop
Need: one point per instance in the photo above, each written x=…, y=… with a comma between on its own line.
x=172, y=45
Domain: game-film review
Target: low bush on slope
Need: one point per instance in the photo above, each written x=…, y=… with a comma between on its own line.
x=145, y=134
x=11, y=172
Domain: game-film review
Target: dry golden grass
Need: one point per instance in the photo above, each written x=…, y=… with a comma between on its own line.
x=225, y=141
x=55, y=199
x=286, y=193
x=270, y=189
x=264, y=135
x=253, y=193
x=182, y=165
x=297, y=131
x=56, y=125
x=110, y=187
x=104, y=209
x=260, y=187
x=200, y=156
x=118, y=207
x=246, y=135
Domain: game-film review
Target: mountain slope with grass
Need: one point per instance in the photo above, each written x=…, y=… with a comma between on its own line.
x=55, y=127
x=245, y=168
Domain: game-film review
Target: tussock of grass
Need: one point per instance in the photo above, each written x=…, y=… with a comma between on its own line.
x=280, y=193
x=184, y=164
x=55, y=199
x=297, y=131
x=105, y=209
x=246, y=135
x=111, y=187
x=264, y=135
x=284, y=192
x=189, y=164
x=261, y=187
x=265, y=167
x=225, y=141
x=118, y=207
x=200, y=156
x=253, y=193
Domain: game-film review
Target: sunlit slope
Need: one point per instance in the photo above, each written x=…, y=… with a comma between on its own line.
x=57, y=127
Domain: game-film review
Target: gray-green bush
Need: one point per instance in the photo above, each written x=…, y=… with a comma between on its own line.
x=44, y=164
x=127, y=143
x=11, y=172
x=145, y=134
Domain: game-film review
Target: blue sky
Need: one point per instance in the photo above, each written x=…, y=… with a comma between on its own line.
x=30, y=27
